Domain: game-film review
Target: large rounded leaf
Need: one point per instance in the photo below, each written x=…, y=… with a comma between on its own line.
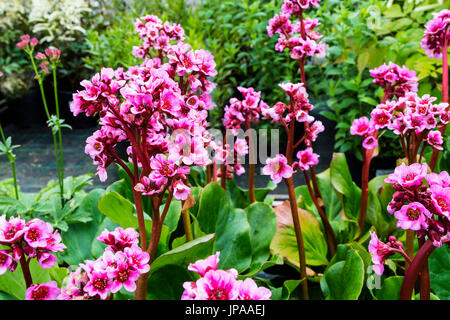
x=439, y=262
x=285, y=241
x=344, y=279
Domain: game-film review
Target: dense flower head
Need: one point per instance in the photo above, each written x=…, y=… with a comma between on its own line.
x=299, y=38
x=437, y=33
x=410, y=114
x=35, y=239
x=298, y=109
x=119, y=267
x=395, y=80
x=159, y=107
x=217, y=284
x=248, y=110
x=421, y=201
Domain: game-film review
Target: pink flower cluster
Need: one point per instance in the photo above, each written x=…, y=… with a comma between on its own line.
x=27, y=43
x=299, y=38
x=423, y=207
x=409, y=114
x=44, y=291
x=216, y=284
x=240, y=112
x=437, y=34
x=297, y=110
x=119, y=267
x=156, y=36
x=380, y=251
x=396, y=80
x=35, y=239
x=160, y=107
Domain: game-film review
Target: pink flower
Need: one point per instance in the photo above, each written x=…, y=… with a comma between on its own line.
x=441, y=179
x=190, y=291
x=381, y=118
x=379, y=251
x=137, y=259
x=46, y=260
x=248, y=290
x=307, y=158
x=203, y=266
x=408, y=176
x=218, y=285
x=12, y=230
x=360, y=127
x=181, y=191
x=241, y=147
x=436, y=31
x=45, y=291
x=440, y=198
x=98, y=284
x=123, y=275
x=37, y=232
x=412, y=216
x=6, y=261
x=278, y=168
x=435, y=139
x=370, y=143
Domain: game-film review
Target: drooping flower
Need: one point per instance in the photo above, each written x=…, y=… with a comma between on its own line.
x=379, y=251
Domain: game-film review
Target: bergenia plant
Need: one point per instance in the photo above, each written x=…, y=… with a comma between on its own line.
x=51, y=58
x=301, y=41
x=242, y=113
x=160, y=108
x=421, y=204
x=435, y=42
x=25, y=241
x=217, y=284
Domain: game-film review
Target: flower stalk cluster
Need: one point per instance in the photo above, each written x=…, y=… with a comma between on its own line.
x=160, y=109
x=302, y=41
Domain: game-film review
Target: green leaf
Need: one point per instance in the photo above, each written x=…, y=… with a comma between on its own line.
x=233, y=240
x=439, y=263
x=263, y=226
x=344, y=280
x=285, y=241
x=213, y=203
x=169, y=271
x=390, y=289
x=347, y=191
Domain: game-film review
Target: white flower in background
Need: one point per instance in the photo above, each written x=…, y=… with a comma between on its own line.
x=11, y=12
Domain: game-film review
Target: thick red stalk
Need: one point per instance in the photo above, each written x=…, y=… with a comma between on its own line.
x=26, y=271
x=251, y=173
x=295, y=216
x=414, y=269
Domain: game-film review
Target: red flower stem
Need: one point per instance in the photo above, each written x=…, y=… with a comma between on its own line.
x=208, y=174
x=251, y=172
x=295, y=216
x=26, y=271
x=418, y=264
x=442, y=129
x=424, y=277
x=329, y=233
x=214, y=175
x=223, y=175
x=140, y=216
x=299, y=237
